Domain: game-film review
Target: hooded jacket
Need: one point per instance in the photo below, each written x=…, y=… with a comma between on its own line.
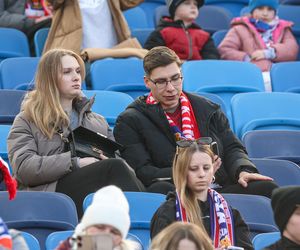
x=243, y=39
x=189, y=43
x=37, y=161
x=149, y=143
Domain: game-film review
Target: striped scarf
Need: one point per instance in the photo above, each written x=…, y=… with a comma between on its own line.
x=190, y=129
x=221, y=219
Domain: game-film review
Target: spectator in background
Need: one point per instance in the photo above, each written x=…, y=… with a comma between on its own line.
x=261, y=38
x=195, y=202
x=9, y=181
x=286, y=207
x=182, y=236
x=107, y=214
x=38, y=146
x=151, y=125
x=181, y=34
x=25, y=15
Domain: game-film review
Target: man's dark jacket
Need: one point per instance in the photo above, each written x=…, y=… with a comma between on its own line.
x=150, y=144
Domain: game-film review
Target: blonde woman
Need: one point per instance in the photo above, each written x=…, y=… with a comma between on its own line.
x=195, y=202
x=37, y=143
x=182, y=236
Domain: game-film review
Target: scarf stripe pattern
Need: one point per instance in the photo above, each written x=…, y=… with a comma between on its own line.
x=190, y=129
x=221, y=219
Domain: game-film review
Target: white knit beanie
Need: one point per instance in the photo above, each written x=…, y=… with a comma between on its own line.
x=109, y=207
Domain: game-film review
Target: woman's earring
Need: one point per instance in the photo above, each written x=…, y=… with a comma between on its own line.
x=213, y=179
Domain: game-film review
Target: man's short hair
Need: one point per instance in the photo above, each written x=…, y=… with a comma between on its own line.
x=159, y=56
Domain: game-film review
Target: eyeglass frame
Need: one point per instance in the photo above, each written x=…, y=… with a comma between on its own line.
x=167, y=81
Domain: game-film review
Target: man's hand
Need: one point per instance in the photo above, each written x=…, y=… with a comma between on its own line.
x=217, y=164
x=246, y=177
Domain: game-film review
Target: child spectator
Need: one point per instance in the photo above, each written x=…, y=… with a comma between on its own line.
x=181, y=34
x=261, y=38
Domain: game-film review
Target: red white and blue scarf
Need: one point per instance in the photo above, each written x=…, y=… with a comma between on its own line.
x=221, y=219
x=190, y=129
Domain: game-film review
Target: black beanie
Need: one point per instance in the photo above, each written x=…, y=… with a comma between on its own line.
x=284, y=201
x=173, y=4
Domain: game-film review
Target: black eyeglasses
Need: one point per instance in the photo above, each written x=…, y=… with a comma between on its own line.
x=162, y=83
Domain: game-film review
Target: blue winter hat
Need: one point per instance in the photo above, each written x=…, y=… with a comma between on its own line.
x=253, y=4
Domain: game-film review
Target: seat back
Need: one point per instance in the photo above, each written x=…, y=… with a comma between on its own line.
x=149, y=7
x=284, y=172
x=10, y=103
x=218, y=36
x=109, y=103
x=248, y=206
x=280, y=144
x=42, y=213
x=4, y=130
x=260, y=241
x=223, y=78
x=141, y=34
x=212, y=18
x=129, y=71
x=285, y=76
x=233, y=6
x=136, y=18
x=31, y=241
x=26, y=68
x=134, y=90
x=13, y=43
x=265, y=111
x=40, y=38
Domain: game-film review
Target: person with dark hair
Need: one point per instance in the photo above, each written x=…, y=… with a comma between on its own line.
x=151, y=125
x=38, y=146
x=180, y=33
x=286, y=207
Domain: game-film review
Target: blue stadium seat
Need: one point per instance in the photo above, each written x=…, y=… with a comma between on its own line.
x=142, y=207
x=248, y=206
x=54, y=239
x=13, y=43
x=212, y=18
x=31, y=241
x=276, y=144
x=10, y=103
x=233, y=6
x=18, y=71
x=141, y=34
x=134, y=90
x=160, y=12
x=41, y=213
x=109, y=103
x=223, y=78
x=218, y=36
x=40, y=38
x=149, y=7
x=129, y=71
x=136, y=18
x=265, y=111
x=285, y=76
x=263, y=240
x=284, y=172
x=4, y=130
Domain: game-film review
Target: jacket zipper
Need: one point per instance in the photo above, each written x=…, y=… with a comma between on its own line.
x=189, y=41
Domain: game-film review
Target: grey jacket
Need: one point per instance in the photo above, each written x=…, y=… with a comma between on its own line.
x=38, y=162
x=12, y=15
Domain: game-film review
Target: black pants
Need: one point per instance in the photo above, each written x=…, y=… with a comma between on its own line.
x=263, y=188
x=89, y=179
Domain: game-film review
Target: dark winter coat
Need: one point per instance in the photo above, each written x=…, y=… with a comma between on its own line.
x=165, y=215
x=149, y=143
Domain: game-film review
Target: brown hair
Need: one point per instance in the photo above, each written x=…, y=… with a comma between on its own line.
x=158, y=57
x=181, y=165
x=170, y=237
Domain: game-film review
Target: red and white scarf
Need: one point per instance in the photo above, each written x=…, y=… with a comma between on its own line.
x=190, y=129
x=221, y=219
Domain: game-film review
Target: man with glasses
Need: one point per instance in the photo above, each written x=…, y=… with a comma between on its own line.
x=152, y=125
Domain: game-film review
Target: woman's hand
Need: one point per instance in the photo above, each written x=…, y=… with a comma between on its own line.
x=87, y=161
x=245, y=177
x=258, y=55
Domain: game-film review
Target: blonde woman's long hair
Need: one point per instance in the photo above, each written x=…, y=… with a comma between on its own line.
x=170, y=237
x=42, y=105
x=181, y=165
